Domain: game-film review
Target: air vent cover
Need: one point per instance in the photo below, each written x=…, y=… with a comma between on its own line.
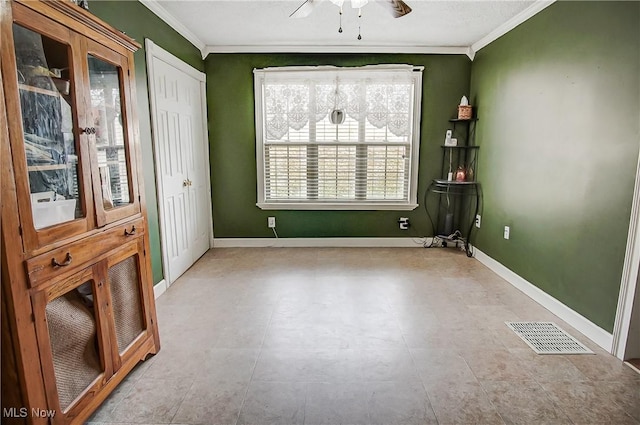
x=547, y=338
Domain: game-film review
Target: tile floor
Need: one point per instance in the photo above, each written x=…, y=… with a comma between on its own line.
x=360, y=336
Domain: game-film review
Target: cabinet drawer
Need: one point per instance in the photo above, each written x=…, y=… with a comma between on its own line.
x=52, y=264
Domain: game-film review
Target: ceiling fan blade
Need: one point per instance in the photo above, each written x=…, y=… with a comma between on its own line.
x=397, y=8
x=304, y=9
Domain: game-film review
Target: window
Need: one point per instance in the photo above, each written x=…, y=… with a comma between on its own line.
x=338, y=138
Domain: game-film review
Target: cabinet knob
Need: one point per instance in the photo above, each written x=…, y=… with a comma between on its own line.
x=185, y=183
x=66, y=262
x=130, y=233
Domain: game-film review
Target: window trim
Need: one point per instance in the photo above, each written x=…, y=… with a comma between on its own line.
x=355, y=205
x=337, y=206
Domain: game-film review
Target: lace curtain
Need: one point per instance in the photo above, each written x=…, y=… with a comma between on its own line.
x=382, y=97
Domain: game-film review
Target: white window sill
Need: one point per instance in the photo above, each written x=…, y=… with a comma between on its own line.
x=329, y=206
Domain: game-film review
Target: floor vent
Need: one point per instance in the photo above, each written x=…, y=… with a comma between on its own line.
x=547, y=338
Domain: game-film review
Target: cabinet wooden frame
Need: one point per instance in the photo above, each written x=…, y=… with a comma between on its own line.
x=98, y=240
x=41, y=270
x=41, y=298
x=112, y=357
x=133, y=249
x=18, y=329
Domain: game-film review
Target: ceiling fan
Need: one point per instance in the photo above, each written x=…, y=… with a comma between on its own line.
x=397, y=8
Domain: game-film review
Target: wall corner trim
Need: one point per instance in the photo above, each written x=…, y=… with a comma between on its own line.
x=630, y=273
x=537, y=7
x=170, y=20
x=159, y=288
x=471, y=53
x=407, y=242
x=589, y=329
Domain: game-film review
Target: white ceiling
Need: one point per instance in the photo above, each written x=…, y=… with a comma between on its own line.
x=434, y=26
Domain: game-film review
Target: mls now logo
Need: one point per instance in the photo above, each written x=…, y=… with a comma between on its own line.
x=23, y=412
x=14, y=412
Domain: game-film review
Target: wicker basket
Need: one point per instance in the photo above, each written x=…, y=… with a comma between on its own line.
x=465, y=112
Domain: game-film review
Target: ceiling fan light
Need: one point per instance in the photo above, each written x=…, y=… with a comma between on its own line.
x=357, y=4
x=338, y=3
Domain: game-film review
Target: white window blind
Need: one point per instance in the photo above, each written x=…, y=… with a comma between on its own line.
x=369, y=161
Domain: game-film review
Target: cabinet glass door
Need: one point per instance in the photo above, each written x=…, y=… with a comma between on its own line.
x=54, y=185
x=114, y=178
x=107, y=120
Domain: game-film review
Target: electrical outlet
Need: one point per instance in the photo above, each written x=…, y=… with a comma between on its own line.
x=403, y=222
x=507, y=230
x=478, y=219
x=271, y=222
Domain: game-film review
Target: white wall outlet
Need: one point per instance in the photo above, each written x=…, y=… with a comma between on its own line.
x=403, y=222
x=271, y=222
x=478, y=219
x=507, y=230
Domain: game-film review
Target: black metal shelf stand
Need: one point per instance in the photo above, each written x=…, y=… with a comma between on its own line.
x=456, y=199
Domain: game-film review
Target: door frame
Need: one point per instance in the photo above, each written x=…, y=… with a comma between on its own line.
x=622, y=337
x=153, y=51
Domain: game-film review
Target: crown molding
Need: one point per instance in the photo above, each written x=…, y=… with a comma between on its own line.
x=170, y=20
x=521, y=17
x=359, y=48
x=469, y=51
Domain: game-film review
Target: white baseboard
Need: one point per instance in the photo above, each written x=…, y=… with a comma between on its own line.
x=159, y=288
x=589, y=329
x=320, y=242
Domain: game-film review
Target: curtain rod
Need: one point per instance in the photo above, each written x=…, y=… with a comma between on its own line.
x=381, y=67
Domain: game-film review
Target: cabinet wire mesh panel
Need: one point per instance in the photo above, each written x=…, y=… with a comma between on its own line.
x=74, y=342
x=124, y=279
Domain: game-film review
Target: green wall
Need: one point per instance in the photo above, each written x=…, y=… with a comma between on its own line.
x=233, y=152
x=139, y=22
x=558, y=103
x=559, y=110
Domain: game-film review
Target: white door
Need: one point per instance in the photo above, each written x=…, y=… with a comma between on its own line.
x=182, y=162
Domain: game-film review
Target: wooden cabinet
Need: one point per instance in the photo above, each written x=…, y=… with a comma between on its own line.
x=78, y=310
